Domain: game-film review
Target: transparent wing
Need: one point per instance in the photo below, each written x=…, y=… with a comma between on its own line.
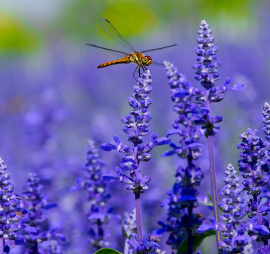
x=111, y=50
x=157, y=63
x=149, y=50
x=113, y=33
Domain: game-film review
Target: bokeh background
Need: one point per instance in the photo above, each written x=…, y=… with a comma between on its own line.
x=53, y=98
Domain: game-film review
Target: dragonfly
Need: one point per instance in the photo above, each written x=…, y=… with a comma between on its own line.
x=136, y=57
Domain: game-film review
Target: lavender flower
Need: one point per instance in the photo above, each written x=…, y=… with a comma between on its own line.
x=254, y=167
x=129, y=225
x=12, y=219
x=252, y=146
x=95, y=188
x=146, y=245
x=136, y=126
x=265, y=164
x=206, y=70
x=199, y=105
x=266, y=120
x=35, y=202
x=182, y=199
x=129, y=228
x=233, y=205
x=40, y=125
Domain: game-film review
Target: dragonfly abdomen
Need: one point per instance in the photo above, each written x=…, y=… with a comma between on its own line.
x=124, y=60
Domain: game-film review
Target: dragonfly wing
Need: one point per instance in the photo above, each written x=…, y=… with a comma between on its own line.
x=112, y=50
x=149, y=50
x=113, y=33
x=157, y=63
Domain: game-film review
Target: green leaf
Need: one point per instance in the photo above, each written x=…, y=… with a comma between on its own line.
x=107, y=251
x=211, y=203
x=210, y=198
x=198, y=239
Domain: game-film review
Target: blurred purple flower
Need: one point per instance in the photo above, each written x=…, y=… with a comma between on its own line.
x=95, y=188
x=40, y=124
x=35, y=202
x=129, y=224
x=12, y=218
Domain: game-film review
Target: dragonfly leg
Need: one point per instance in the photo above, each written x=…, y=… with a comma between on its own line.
x=135, y=72
x=139, y=71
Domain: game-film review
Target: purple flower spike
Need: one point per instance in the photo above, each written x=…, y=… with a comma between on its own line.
x=12, y=217
x=129, y=225
x=136, y=126
x=147, y=245
x=94, y=185
x=35, y=201
x=254, y=168
x=181, y=221
x=207, y=65
x=265, y=165
x=233, y=206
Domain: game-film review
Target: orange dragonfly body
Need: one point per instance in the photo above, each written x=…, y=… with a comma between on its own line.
x=136, y=57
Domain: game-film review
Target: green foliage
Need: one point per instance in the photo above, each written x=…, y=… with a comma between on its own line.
x=197, y=240
x=15, y=37
x=210, y=204
x=129, y=18
x=141, y=17
x=107, y=251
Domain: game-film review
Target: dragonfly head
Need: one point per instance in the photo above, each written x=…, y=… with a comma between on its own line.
x=147, y=60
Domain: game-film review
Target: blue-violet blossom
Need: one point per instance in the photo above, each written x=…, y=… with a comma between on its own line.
x=233, y=207
x=182, y=198
x=35, y=201
x=95, y=188
x=12, y=218
x=254, y=168
x=206, y=70
x=136, y=126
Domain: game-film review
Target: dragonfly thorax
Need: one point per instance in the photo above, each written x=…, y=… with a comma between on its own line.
x=140, y=59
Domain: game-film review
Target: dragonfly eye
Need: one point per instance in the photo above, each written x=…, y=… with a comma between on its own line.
x=147, y=60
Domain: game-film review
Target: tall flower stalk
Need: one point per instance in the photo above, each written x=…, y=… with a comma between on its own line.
x=254, y=167
x=35, y=201
x=99, y=213
x=199, y=108
x=182, y=200
x=233, y=205
x=207, y=73
x=136, y=126
x=206, y=70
